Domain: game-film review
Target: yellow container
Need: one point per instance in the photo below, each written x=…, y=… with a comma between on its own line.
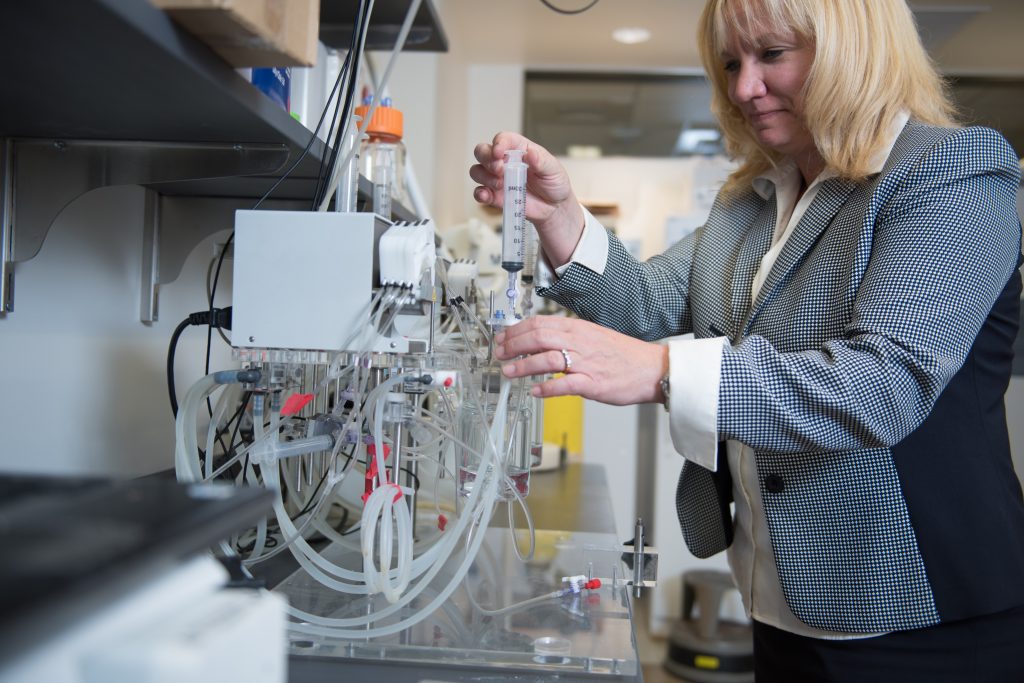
x=563, y=422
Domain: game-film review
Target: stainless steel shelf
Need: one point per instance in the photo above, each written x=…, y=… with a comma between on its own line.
x=105, y=92
x=122, y=71
x=338, y=17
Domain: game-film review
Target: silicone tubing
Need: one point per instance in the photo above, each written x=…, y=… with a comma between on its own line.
x=382, y=504
x=226, y=398
x=258, y=436
x=511, y=485
x=383, y=509
x=508, y=483
x=529, y=525
x=313, y=444
x=312, y=517
x=321, y=569
x=513, y=607
x=186, y=463
x=481, y=504
x=317, y=566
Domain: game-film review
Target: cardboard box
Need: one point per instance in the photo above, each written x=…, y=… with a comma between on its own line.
x=252, y=32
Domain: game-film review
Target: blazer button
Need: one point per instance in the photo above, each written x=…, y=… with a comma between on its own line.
x=774, y=483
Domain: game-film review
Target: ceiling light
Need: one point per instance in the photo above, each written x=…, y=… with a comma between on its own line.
x=630, y=35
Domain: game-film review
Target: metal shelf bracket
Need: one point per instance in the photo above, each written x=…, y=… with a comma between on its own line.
x=6, y=226
x=39, y=178
x=172, y=227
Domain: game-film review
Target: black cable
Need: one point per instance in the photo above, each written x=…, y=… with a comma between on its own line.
x=170, y=365
x=551, y=7
x=320, y=483
x=234, y=435
x=358, y=40
x=348, y=456
x=209, y=297
x=216, y=317
x=335, y=121
x=312, y=497
x=269, y=542
x=416, y=486
x=344, y=517
x=309, y=145
x=213, y=293
x=362, y=22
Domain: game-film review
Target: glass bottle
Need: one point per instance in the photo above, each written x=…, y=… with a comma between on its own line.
x=382, y=157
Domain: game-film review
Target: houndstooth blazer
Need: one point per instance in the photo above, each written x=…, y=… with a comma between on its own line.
x=867, y=376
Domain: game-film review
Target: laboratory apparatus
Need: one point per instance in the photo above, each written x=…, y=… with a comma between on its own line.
x=513, y=223
x=367, y=400
x=347, y=378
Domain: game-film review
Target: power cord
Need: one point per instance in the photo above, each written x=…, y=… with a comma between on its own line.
x=214, y=318
x=551, y=7
x=344, y=120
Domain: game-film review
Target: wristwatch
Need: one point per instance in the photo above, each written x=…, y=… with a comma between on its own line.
x=665, y=389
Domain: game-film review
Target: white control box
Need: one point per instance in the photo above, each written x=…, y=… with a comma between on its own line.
x=302, y=279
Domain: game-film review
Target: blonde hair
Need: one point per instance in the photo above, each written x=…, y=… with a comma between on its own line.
x=869, y=66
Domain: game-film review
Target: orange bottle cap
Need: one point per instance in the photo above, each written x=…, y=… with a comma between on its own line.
x=385, y=120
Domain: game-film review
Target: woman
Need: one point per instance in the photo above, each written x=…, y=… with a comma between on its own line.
x=854, y=296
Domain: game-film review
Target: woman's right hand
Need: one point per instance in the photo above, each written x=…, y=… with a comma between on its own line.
x=550, y=202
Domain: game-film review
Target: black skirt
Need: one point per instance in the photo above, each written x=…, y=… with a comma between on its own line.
x=988, y=649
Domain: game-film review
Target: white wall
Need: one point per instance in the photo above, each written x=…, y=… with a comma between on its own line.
x=84, y=387
x=647, y=193
x=495, y=104
x=610, y=440
x=413, y=87
x=475, y=101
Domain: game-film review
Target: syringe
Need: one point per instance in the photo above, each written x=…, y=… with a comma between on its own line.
x=513, y=221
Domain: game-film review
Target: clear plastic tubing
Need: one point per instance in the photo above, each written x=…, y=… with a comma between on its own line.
x=513, y=221
x=313, y=444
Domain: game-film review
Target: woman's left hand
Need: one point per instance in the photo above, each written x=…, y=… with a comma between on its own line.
x=602, y=364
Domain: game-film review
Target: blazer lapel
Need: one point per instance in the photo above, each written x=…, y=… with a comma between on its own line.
x=756, y=241
x=831, y=196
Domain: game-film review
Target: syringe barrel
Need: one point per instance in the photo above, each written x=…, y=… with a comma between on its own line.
x=514, y=212
x=529, y=252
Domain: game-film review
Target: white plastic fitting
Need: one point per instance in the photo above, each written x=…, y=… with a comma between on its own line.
x=407, y=253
